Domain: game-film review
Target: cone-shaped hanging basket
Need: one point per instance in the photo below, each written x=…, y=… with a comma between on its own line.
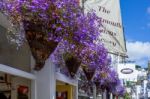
x=39, y=44
x=97, y=83
x=103, y=88
x=98, y=87
x=89, y=72
x=72, y=63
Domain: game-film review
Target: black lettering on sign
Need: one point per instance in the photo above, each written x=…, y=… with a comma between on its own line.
x=112, y=43
x=104, y=10
x=109, y=32
x=116, y=24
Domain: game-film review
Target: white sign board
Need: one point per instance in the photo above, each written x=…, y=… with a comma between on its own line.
x=112, y=30
x=127, y=72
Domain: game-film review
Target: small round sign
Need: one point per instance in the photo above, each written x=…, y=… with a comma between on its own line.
x=127, y=71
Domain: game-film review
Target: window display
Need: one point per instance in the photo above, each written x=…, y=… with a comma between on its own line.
x=61, y=95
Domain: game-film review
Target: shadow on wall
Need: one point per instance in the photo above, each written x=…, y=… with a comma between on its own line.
x=9, y=55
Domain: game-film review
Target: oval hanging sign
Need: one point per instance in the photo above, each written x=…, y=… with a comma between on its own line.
x=127, y=71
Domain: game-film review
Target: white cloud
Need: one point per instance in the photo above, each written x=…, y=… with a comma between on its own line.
x=148, y=10
x=139, y=51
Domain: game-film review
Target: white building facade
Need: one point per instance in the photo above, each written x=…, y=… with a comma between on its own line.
x=17, y=64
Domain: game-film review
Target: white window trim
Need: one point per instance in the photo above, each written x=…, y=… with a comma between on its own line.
x=63, y=78
x=16, y=72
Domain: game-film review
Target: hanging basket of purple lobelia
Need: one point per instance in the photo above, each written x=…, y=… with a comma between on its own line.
x=91, y=59
x=47, y=22
x=97, y=83
x=41, y=47
x=72, y=63
x=35, y=18
x=89, y=72
x=44, y=22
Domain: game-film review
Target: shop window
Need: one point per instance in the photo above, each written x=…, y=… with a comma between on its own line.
x=5, y=86
x=14, y=87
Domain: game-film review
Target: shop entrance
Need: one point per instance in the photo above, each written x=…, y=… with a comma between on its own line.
x=64, y=90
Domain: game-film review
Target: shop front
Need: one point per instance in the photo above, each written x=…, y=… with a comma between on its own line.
x=64, y=90
x=14, y=87
x=14, y=83
x=66, y=86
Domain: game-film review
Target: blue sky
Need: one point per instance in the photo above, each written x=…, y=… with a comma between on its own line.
x=136, y=21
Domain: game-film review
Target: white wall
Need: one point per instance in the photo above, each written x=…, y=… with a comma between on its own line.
x=9, y=55
x=45, y=83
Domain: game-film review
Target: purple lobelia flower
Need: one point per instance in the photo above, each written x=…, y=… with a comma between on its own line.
x=52, y=20
x=119, y=90
x=107, y=78
x=61, y=19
